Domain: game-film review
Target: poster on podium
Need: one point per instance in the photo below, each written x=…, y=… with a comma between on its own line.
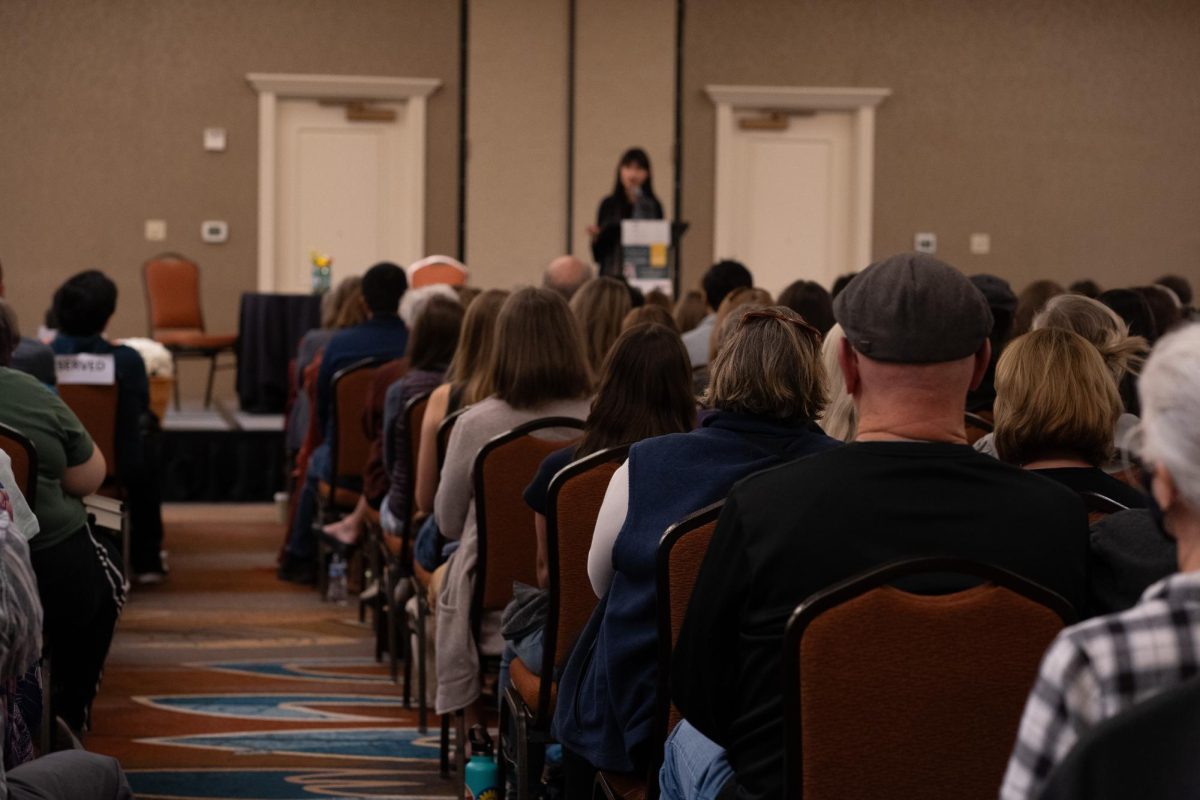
x=646, y=254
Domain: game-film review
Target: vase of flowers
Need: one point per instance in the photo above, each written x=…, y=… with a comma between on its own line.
x=322, y=272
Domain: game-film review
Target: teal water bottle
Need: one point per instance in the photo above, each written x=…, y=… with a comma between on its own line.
x=480, y=773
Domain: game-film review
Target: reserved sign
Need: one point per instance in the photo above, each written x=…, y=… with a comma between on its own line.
x=95, y=370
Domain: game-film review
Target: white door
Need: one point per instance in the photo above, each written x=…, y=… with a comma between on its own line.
x=344, y=190
x=787, y=212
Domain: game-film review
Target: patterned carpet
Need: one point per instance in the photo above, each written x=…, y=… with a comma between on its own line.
x=226, y=683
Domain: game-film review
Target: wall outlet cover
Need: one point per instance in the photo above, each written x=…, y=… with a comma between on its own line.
x=981, y=244
x=156, y=230
x=214, y=139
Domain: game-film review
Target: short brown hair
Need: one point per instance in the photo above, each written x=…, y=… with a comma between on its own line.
x=435, y=334
x=538, y=355
x=769, y=365
x=599, y=306
x=741, y=296
x=470, y=369
x=1054, y=397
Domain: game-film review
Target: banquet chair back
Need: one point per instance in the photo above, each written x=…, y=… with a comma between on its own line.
x=96, y=408
x=1100, y=506
x=349, y=445
x=931, y=686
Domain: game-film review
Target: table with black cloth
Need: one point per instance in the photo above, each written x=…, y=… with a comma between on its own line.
x=269, y=329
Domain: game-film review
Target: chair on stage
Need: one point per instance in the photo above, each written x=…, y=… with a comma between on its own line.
x=573, y=504
x=176, y=319
x=893, y=694
x=681, y=551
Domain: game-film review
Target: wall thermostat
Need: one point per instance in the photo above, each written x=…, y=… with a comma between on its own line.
x=214, y=231
x=925, y=242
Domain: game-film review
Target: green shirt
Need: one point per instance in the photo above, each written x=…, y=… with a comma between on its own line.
x=60, y=441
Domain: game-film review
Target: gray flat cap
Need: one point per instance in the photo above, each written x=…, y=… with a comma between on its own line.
x=913, y=309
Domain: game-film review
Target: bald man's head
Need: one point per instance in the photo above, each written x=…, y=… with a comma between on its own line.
x=566, y=274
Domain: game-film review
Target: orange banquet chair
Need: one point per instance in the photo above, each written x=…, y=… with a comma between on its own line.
x=176, y=320
x=681, y=551
x=437, y=269
x=573, y=504
x=893, y=694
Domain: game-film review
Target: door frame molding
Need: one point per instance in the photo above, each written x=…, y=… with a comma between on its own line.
x=860, y=102
x=273, y=87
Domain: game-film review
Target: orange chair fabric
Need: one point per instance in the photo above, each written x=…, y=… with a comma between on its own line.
x=683, y=565
x=905, y=695
x=510, y=541
x=173, y=290
x=96, y=407
x=529, y=685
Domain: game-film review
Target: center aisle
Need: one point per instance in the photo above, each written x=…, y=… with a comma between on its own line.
x=227, y=683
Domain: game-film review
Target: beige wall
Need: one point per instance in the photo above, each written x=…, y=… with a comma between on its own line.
x=624, y=97
x=517, y=133
x=105, y=105
x=1066, y=130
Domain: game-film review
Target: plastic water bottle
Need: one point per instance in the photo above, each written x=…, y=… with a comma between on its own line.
x=336, y=591
x=480, y=774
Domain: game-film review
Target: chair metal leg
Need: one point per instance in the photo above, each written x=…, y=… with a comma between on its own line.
x=212, y=368
x=175, y=383
x=460, y=751
x=444, y=750
x=422, y=705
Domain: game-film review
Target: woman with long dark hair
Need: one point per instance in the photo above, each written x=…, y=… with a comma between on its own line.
x=632, y=197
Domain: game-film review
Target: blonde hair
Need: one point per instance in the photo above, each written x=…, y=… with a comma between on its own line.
x=599, y=306
x=741, y=296
x=840, y=419
x=1101, y=326
x=690, y=309
x=340, y=308
x=1054, y=396
x=469, y=369
x=769, y=365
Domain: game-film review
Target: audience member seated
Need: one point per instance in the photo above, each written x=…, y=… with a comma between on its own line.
x=840, y=284
x=1164, y=307
x=1086, y=287
x=55, y=776
x=599, y=308
x=721, y=279
x=768, y=388
x=31, y=356
x=383, y=336
x=909, y=486
x=1003, y=303
x=1096, y=669
x=657, y=297
x=538, y=369
x=83, y=306
x=80, y=583
x=376, y=477
x=1056, y=410
x=649, y=314
x=1132, y=307
x=812, y=302
x=645, y=391
x=1107, y=332
x=1183, y=292
x=689, y=311
x=839, y=419
x=741, y=296
x=1031, y=300
x=566, y=274
x=342, y=308
x=468, y=380
x=434, y=337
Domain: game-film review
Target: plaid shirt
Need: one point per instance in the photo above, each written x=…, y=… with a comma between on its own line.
x=1097, y=669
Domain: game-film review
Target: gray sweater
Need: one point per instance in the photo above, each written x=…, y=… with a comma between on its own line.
x=454, y=509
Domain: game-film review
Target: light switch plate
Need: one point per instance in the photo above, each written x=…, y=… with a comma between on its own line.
x=156, y=230
x=981, y=244
x=214, y=139
x=925, y=242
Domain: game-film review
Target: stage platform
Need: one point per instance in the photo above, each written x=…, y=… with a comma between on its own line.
x=221, y=454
